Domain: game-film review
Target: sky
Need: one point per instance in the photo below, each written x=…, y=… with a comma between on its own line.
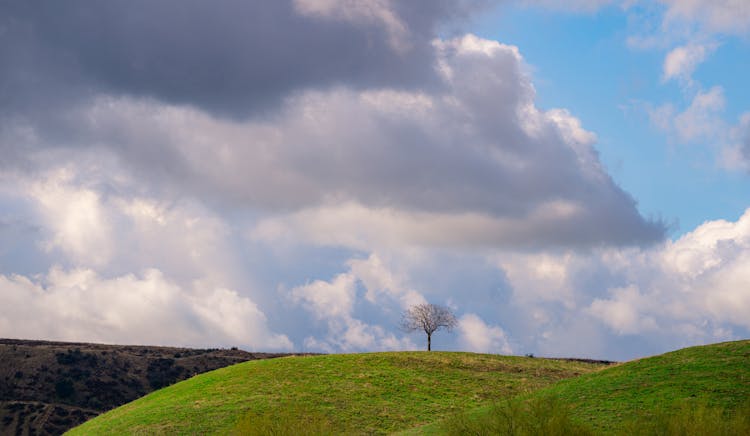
x=570, y=178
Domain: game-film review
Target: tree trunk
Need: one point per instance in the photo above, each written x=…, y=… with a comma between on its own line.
x=429, y=340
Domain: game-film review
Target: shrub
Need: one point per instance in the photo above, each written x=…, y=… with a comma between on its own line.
x=64, y=388
x=539, y=417
x=163, y=372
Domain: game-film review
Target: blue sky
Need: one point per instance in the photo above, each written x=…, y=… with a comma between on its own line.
x=569, y=178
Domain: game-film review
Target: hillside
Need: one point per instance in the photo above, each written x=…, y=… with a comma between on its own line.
x=712, y=377
x=717, y=375
x=371, y=393
x=49, y=387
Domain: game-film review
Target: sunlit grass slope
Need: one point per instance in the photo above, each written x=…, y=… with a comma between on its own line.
x=713, y=378
x=714, y=375
x=355, y=393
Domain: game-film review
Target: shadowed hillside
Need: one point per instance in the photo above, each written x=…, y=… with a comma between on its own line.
x=49, y=387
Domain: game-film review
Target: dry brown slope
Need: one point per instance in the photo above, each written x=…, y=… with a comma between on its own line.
x=49, y=387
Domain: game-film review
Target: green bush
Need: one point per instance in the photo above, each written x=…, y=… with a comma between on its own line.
x=539, y=417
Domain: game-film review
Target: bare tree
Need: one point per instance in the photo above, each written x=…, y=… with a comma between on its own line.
x=428, y=317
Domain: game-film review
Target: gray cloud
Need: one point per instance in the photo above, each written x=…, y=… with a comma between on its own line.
x=745, y=146
x=146, y=141
x=476, y=144
x=230, y=57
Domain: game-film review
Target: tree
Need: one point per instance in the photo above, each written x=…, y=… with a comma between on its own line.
x=428, y=317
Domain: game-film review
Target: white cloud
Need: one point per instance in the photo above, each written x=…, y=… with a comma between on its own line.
x=334, y=299
x=709, y=16
x=334, y=302
x=381, y=282
x=111, y=230
x=692, y=290
x=79, y=305
x=623, y=311
x=540, y=277
x=477, y=336
x=79, y=224
x=701, y=121
x=681, y=61
x=690, y=31
x=720, y=16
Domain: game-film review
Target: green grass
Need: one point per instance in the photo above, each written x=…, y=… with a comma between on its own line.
x=549, y=416
x=715, y=375
x=373, y=393
x=692, y=387
x=689, y=391
x=538, y=417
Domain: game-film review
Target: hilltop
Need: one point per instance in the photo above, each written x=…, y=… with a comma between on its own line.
x=373, y=393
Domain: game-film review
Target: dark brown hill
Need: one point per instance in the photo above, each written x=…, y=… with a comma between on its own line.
x=50, y=387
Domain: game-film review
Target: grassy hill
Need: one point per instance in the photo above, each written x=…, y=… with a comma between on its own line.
x=714, y=375
x=381, y=393
x=49, y=387
x=371, y=393
x=712, y=379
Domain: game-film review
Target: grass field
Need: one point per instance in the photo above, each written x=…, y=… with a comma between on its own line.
x=374, y=393
x=712, y=379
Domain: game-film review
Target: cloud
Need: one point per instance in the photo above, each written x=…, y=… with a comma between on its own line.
x=710, y=16
x=344, y=124
x=233, y=58
x=680, y=62
x=719, y=16
x=334, y=301
x=359, y=11
x=382, y=283
x=479, y=337
x=736, y=155
x=701, y=121
x=539, y=277
x=80, y=226
x=607, y=302
x=570, y=5
x=621, y=312
x=474, y=154
x=79, y=305
x=692, y=290
x=492, y=135
x=110, y=231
